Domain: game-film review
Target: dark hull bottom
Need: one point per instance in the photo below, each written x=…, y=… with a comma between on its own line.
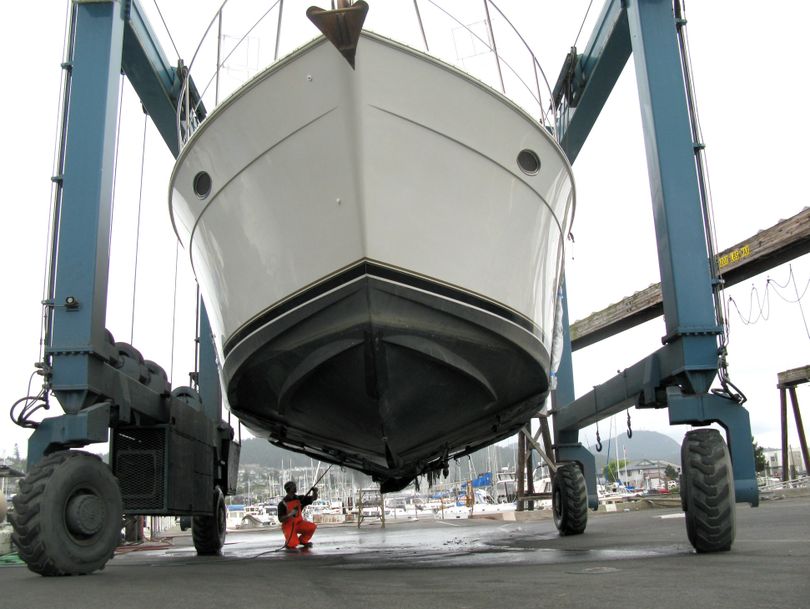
x=385, y=378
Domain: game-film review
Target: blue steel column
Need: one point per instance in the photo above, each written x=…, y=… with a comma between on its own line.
x=682, y=255
x=210, y=392
x=686, y=286
x=82, y=264
x=566, y=441
x=680, y=373
x=564, y=393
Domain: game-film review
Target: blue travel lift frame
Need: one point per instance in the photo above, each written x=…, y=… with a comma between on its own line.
x=98, y=384
x=84, y=368
x=678, y=376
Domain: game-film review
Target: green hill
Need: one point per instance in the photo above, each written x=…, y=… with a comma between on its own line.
x=643, y=445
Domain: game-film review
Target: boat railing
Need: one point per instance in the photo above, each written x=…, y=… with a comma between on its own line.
x=476, y=37
x=541, y=101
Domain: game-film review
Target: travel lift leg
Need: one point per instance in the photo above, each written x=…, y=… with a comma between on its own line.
x=171, y=454
x=678, y=376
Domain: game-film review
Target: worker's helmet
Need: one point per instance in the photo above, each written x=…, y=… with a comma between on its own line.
x=289, y=487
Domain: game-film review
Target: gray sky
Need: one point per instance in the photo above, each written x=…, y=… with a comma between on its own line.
x=752, y=100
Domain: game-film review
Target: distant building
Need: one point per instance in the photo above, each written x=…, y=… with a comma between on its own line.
x=773, y=462
x=647, y=473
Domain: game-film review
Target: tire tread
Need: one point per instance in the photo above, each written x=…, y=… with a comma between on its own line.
x=26, y=520
x=208, y=540
x=710, y=491
x=573, y=517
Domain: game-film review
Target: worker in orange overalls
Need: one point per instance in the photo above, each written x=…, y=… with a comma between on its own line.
x=297, y=531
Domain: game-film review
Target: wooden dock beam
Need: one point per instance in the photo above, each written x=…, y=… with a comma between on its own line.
x=780, y=243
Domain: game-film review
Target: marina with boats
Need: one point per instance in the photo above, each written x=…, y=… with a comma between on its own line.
x=362, y=507
x=484, y=496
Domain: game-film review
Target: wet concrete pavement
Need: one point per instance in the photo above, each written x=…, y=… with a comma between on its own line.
x=638, y=559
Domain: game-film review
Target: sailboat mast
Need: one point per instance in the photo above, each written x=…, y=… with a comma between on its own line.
x=617, y=457
x=624, y=448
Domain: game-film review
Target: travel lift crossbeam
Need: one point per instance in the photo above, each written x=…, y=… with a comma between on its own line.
x=171, y=454
x=678, y=376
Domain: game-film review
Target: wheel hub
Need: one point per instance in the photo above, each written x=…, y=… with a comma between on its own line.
x=85, y=515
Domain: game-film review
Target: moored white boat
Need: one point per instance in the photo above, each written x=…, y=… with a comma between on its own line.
x=379, y=250
x=482, y=505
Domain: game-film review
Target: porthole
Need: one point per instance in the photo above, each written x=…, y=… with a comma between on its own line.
x=202, y=184
x=528, y=161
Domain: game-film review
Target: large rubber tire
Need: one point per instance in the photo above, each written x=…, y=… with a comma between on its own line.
x=707, y=491
x=208, y=532
x=569, y=500
x=67, y=515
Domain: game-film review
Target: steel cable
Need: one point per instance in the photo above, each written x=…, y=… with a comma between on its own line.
x=582, y=25
x=138, y=234
x=168, y=31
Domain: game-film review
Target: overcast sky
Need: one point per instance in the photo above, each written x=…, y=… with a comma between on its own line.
x=753, y=99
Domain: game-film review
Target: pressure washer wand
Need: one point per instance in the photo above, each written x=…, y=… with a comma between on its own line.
x=326, y=471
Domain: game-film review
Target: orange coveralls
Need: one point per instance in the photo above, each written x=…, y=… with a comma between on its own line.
x=297, y=531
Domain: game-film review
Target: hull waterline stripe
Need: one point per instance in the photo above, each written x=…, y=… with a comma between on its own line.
x=372, y=269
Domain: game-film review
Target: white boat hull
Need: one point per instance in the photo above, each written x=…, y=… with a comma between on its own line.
x=379, y=272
